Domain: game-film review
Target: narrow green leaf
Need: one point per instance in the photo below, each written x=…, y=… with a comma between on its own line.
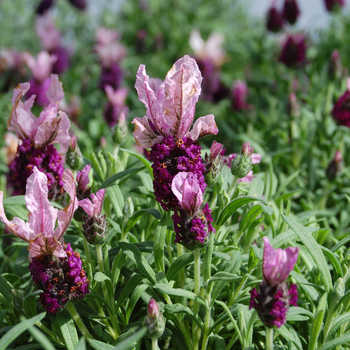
x=117, y=201
x=29, y=303
x=137, y=216
x=163, y=288
x=181, y=309
x=142, y=159
x=332, y=344
x=234, y=205
x=314, y=250
x=178, y=264
x=99, y=345
x=41, y=338
x=337, y=270
x=16, y=200
x=344, y=300
x=286, y=182
x=17, y=330
x=129, y=342
x=129, y=287
x=158, y=247
x=110, y=181
x=81, y=345
x=100, y=277
x=68, y=329
x=135, y=296
x=256, y=210
x=339, y=321
x=134, y=254
x=224, y=276
x=318, y=322
x=340, y=243
x=6, y=289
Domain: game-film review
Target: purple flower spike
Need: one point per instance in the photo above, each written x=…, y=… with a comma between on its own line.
x=278, y=263
x=294, y=50
x=341, y=110
x=274, y=19
x=291, y=11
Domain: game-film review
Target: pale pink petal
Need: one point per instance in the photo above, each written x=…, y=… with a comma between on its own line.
x=42, y=215
x=213, y=48
x=248, y=178
x=55, y=93
x=146, y=95
x=98, y=201
x=83, y=178
x=45, y=28
x=203, y=126
x=42, y=245
x=21, y=120
x=41, y=67
x=186, y=188
x=197, y=43
x=17, y=226
x=256, y=158
x=157, y=86
x=143, y=133
x=87, y=206
x=182, y=89
x=106, y=36
x=65, y=215
x=116, y=97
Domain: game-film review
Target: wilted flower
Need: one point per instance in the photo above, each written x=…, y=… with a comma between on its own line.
x=51, y=42
x=154, y=320
x=115, y=105
x=335, y=166
x=55, y=267
x=334, y=5
x=341, y=109
x=294, y=50
x=290, y=11
x=37, y=136
x=239, y=96
x=274, y=19
x=41, y=68
x=10, y=150
x=274, y=297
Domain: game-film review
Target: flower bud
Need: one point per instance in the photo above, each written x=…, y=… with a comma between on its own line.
x=337, y=293
x=128, y=209
x=293, y=105
x=154, y=321
x=274, y=19
x=335, y=166
x=95, y=228
x=242, y=162
x=74, y=158
x=335, y=67
x=291, y=11
x=120, y=131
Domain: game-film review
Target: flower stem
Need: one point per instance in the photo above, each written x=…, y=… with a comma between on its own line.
x=154, y=343
x=197, y=276
x=78, y=321
x=86, y=248
x=181, y=273
x=269, y=339
x=232, y=186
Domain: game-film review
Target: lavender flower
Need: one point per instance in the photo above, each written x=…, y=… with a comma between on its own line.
x=239, y=96
x=55, y=267
x=341, y=109
x=274, y=297
x=334, y=5
x=335, y=67
x=290, y=11
x=274, y=19
x=37, y=136
x=154, y=321
x=294, y=50
x=335, y=166
x=116, y=104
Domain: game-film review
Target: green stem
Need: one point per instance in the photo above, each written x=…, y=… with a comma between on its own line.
x=328, y=323
x=232, y=300
x=47, y=331
x=181, y=274
x=197, y=276
x=86, y=248
x=154, y=343
x=232, y=186
x=78, y=321
x=269, y=339
x=207, y=327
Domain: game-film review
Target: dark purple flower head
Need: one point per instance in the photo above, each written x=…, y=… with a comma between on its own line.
x=112, y=76
x=274, y=19
x=61, y=279
x=334, y=5
x=341, y=109
x=239, y=96
x=335, y=166
x=294, y=50
x=44, y=6
x=79, y=4
x=39, y=89
x=62, y=60
x=290, y=11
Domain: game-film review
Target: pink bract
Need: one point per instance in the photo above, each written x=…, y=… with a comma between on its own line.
x=40, y=229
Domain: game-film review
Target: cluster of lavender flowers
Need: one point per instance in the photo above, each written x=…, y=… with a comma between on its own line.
x=276, y=19
x=178, y=168
x=55, y=267
x=37, y=137
x=274, y=297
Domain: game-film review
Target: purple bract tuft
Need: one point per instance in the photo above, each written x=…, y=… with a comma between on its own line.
x=294, y=50
x=61, y=279
x=274, y=19
x=112, y=76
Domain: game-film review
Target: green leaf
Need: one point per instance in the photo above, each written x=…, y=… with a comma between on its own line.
x=137, y=216
x=158, y=247
x=163, y=288
x=142, y=159
x=100, y=277
x=178, y=264
x=332, y=344
x=318, y=322
x=17, y=330
x=134, y=254
x=340, y=243
x=116, y=198
x=234, y=205
x=129, y=342
x=16, y=200
x=314, y=250
x=136, y=295
x=181, y=309
x=339, y=321
x=68, y=329
x=41, y=338
x=337, y=270
x=81, y=345
x=6, y=289
x=129, y=287
x=98, y=345
x=224, y=276
x=110, y=181
x=256, y=210
x=29, y=303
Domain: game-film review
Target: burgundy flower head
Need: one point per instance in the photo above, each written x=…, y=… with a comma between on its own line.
x=274, y=19
x=341, y=109
x=290, y=11
x=334, y=5
x=294, y=50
